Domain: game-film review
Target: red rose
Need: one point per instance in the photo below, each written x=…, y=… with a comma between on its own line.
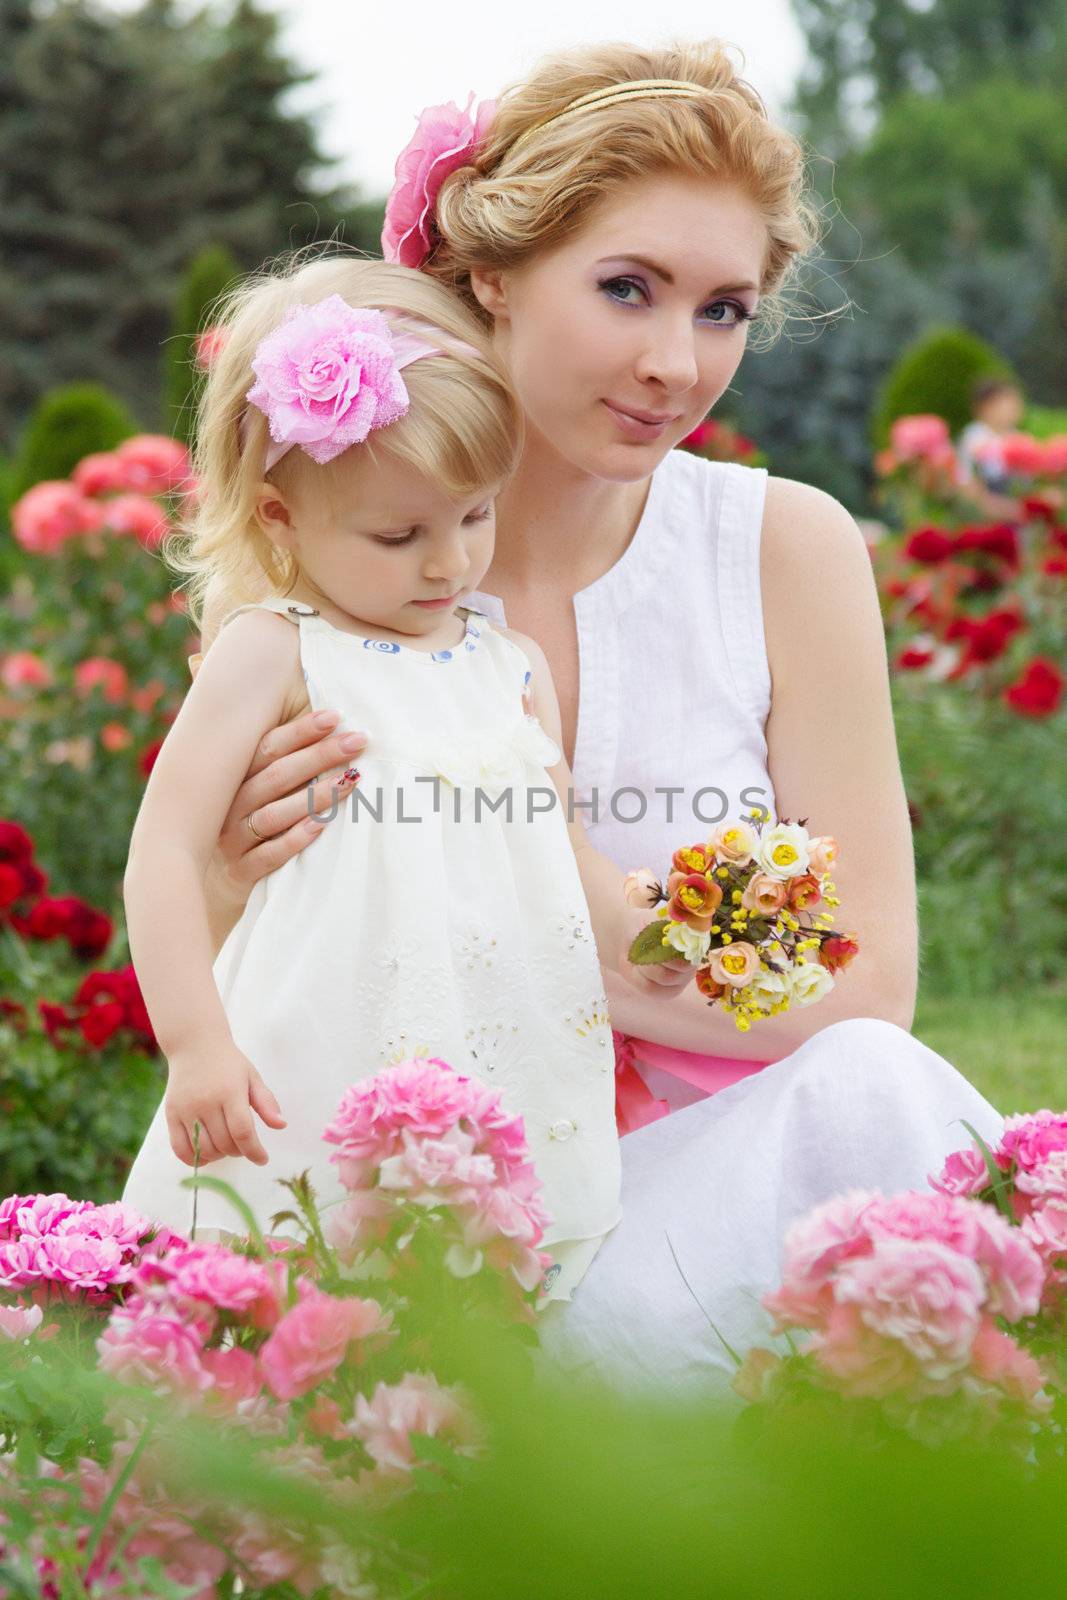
x=1034, y=506
x=999, y=540
x=147, y=759
x=1039, y=691
x=912, y=659
x=56, y=1019
x=15, y=842
x=10, y=885
x=101, y=1021
x=836, y=953
x=930, y=546
x=1055, y=567
x=804, y=891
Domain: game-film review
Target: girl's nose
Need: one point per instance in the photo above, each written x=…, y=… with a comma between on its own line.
x=447, y=559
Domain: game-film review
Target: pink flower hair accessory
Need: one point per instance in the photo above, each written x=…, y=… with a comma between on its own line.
x=330, y=372
x=445, y=139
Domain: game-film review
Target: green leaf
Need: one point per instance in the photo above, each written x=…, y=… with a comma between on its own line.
x=999, y=1182
x=648, y=948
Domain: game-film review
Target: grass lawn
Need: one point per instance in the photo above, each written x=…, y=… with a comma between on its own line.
x=1010, y=1047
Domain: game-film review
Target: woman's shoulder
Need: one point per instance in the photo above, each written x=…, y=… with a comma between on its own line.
x=803, y=524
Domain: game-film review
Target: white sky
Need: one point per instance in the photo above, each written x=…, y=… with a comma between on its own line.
x=377, y=64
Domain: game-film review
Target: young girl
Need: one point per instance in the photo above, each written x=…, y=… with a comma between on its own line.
x=354, y=432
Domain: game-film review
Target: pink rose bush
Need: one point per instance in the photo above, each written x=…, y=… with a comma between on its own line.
x=903, y=1299
x=445, y=139
x=1025, y=1175
x=111, y=491
x=421, y=1147
x=314, y=1349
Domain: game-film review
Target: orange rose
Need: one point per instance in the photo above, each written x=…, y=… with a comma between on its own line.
x=836, y=953
x=694, y=858
x=707, y=985
x=735, y=964
x=804, y=891
x=822, y=854
x=695, y=901
x=765, y=894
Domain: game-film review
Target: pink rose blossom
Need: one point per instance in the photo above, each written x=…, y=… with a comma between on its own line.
x=360, y=1223
x=136, y=514
x=153, y=463
x=964, y=1173
x=101, y=473
x=445, y=139
x=864, y=1362
x=1047, y=1180
x=51, y=513
x=161, y=1352
x=432, y=1172
x=19, y=1321
x=815, y=1246
x=312, y=1340
x=1030, y=1139
x=998, y=1360
x=922, y=1294
x=326, y=376
x=24, y=669
x=109, y=675
x=213, y=1276
x=1046, y=1230
x=919, y=435
x=208, y=346
x=417, y=1404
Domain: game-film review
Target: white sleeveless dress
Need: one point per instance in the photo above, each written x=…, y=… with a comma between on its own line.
x=440, y=912
x=709, y=1190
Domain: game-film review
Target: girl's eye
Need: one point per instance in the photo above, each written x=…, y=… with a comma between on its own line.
x=612, y=286
x=404, y=539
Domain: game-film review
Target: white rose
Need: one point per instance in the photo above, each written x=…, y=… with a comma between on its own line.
x=734, y=841
x=784, y=850
x=689, y=942
x=810, y=982
x=768, y=988
x=641, y=889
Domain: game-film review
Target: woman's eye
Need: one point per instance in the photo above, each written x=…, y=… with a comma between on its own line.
x=480, y=516
x=740, y=314
x=613, y=285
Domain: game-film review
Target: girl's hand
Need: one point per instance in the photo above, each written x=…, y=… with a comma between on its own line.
x=218, y=1087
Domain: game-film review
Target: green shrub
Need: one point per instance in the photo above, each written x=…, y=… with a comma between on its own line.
x=67, y=424
x=207, y=275
x=936, y=375
x=1044, y=421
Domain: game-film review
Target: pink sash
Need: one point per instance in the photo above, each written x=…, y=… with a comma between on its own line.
x=636, y=1105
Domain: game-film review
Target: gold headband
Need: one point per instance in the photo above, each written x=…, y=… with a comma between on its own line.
x=616, y=94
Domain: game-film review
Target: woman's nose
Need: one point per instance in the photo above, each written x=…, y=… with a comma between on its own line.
x=670, y=356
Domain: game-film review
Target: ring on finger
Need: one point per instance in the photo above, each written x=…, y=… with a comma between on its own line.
x=253, y=829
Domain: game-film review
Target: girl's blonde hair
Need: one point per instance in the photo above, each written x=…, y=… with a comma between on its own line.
x=463, y=428
x=510, y=204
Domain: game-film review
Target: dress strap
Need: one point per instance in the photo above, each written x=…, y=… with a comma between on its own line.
x=294, y=610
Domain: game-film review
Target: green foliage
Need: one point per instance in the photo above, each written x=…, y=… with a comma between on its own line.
x=1044, y=421
x=990, y=839
x=205, y=279
x=66, y=425
x=129, y=141
x=936, y=375
x=960, y=173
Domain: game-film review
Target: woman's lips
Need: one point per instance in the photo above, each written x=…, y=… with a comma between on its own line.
x=637, y=426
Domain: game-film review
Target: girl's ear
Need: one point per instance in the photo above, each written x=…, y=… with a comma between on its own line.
x=274, y=516
x=487, y=284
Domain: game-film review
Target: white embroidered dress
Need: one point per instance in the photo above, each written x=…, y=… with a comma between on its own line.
x=440, y=912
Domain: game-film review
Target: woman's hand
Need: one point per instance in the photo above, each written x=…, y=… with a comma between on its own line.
x=219, y=1088
x=274, y=797
x=663, y=979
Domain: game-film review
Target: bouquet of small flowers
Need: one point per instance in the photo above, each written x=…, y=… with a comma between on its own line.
x=744, y=910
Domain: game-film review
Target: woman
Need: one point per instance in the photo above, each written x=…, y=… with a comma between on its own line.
x=619, y=220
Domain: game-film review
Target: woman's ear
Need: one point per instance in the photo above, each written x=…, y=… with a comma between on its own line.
x=487, y=284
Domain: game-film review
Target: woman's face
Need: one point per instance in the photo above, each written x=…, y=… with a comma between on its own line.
x=620, y=341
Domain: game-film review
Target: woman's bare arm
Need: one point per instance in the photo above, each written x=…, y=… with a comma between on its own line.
x=832, y=758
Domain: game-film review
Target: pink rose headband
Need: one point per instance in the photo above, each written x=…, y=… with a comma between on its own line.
x=330, y=373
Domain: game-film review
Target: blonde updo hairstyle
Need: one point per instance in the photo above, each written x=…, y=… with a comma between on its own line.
x=463, y=429
x=511, y=204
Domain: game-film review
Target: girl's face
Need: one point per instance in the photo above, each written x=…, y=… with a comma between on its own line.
x=390, y=542
x=620, y=340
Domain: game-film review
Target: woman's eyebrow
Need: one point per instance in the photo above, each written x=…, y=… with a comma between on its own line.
x=661, y=272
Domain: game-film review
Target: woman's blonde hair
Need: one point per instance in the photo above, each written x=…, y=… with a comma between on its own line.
x=511, y=204
x=463, y=429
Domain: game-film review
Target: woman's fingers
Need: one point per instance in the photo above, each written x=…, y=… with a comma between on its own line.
x=277, y=793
